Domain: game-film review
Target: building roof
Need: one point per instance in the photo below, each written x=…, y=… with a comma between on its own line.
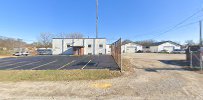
x=78, y=38
x=132, y=43
x=159, y=43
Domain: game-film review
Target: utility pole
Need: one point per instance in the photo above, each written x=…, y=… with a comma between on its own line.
x=200, y=32
x=97, y=7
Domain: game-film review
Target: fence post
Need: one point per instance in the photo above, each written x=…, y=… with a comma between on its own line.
x=120, y=52
x=191, y=65
x=200, y=60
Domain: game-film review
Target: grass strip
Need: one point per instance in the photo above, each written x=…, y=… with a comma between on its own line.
x=56, y=75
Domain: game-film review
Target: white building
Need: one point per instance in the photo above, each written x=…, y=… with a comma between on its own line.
x=131, y=48
x=169, y=46
x=81, y=46
x=108, y=49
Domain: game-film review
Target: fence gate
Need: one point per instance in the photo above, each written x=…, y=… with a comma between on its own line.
x=116, y=52
x=196, y=60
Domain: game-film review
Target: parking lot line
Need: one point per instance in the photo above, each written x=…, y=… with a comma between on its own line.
x=66, y=64
x=14, y=63
x=23, y=65
x=10, y=59
x=86, y=64
x=43, y=65
x=5, y=62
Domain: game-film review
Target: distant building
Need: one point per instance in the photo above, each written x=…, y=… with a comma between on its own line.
x=146, y=49
x=81, y=46
x=108, y=49
x=131, y=48
x=44, y=51
x=168, y=46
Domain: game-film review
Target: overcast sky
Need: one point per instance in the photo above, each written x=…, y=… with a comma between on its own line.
x=129, y=19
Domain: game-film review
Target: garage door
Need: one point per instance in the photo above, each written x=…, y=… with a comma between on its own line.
x=131, y=49
x=169, y=48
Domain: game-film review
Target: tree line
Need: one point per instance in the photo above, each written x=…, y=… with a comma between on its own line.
x=150, y=42
x=45, y=39
x=10, y=43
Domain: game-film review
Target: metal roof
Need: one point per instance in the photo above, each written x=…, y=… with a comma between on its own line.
x=159, y=43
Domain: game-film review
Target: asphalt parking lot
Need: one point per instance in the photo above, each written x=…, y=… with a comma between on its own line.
x=61, y=62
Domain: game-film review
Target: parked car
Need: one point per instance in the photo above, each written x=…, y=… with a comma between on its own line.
x=21, y=54
x=178, y=51
x=25, y=53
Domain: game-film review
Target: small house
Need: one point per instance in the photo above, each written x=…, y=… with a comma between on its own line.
x=168, y=46
x=108, y=49
x=131, y=48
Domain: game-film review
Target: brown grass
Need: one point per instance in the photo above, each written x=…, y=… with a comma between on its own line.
x=56, y=75
x=126, y=65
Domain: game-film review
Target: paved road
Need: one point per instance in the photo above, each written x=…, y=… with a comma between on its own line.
x=58, y=63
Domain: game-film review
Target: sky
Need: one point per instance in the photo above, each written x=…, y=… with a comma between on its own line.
x=129, y=19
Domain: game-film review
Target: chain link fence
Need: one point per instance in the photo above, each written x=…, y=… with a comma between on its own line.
x=196, y=60
x=116, y=52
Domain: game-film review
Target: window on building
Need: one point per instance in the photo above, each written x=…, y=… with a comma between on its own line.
x=89, y=45
x=68, y=45
x=101, y=46
x=89, y=53
x=100, y=53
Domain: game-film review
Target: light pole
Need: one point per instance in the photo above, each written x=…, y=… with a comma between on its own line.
x=200, y=25
x=97, y=7
x=200, y=44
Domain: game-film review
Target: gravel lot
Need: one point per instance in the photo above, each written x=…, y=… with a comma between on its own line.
x=152, y=76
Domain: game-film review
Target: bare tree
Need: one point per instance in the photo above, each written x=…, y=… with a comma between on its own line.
x=69, y=35
x=37, y=45
x=75, y=35
x=126, y=42
x=189, y=42
x=45, y=40
x=146, y=42
x=11, y=43
x=62, y=35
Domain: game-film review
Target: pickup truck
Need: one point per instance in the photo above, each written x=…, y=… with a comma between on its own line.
x=178, y=51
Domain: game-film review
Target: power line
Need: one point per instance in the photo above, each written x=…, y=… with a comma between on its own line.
x=192, y=23
x=185, y=25
x=175, y=26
